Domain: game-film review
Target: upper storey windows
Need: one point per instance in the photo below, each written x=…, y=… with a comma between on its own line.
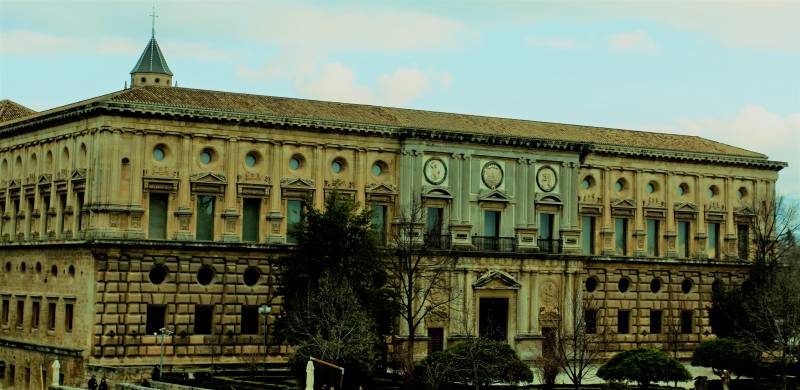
x=159, y=153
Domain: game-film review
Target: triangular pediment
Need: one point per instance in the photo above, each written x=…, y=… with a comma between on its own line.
x=45, y=179
x=208, y=177
x=746, y=210
x=685, y=207
x=297, y=183
x=381, y=188
x=623, y=203
x=78, y=174
x=494, y=196
x=14, y=183
x=495, y=279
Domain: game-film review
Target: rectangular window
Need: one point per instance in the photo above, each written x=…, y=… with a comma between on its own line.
x=44, y=217
x=379, y=222
x=590, y=318
x=682, y=245
x=652, y=237
x=20, y=312
x=157, y=223
x=623, y=321
x=29, y=214
x=251, y=217
x=79, y=211
x=69, y=308
x=712, y=244
x=491, y=223
x=546, y=226
x=435, y=340
x=51, y=315
x=35, y=314
x=62, y=207
x=655, y=321
x=587, y=235
x=6, y=305
x=12, y=374
x=203, y=319
x=16, y=213
x=27, y=377
x=433, y=221
x=743, y=241
x=249, y=319
x=205, y=217
x=294, y=211
x=686, y=321
x=621, y=236
x=156, y=318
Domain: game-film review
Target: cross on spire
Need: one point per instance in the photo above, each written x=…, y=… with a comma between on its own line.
x=154, y=16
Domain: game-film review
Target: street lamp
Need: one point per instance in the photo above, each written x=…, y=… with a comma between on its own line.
x=265, y=310
x=162, y=332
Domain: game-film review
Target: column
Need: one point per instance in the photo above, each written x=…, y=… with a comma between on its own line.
x=534, y=304
x=606, y=231
x=184, y=210
x=670, y=234
x=523, y=306
x=230, y=214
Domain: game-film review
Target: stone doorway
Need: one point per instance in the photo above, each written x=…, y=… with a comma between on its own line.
x=493, y=319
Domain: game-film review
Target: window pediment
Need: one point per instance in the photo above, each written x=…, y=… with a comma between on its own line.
x=295, y=183
x=549, y=199
x=495, y=279
x=494, y=196
x=208, y=177
x=437, y=192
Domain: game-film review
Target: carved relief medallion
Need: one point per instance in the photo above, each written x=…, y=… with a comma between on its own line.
x=546, y=179
x=435, y=171
x=492, y=175
x=549, y=294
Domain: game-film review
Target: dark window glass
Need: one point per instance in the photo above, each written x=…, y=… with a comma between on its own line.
x=712, y=244
x=79, y=212
x=29, y=214
x=157, y=274
x=655, y=285
x=433, y=223
x=6, y=306
x=205, y=275
x=743, y=241
x=251, y=276
x=379, y=222
x=51, y=315
x=655, y=321
x=68, y=313
x=203, y=319
x=591, y=321
x=587, y=235
x=491, y=223
x=251, y=219
x=249, y=319
x=623, y=322
x=686, y=321
x=546, y=226
x=157, y=224
x=35, y=314
x=156, y=316
x=652, y=237
x=591, y=284
x=686, y=286
x=294, y=217
x=44, y=216
x=205, y=217
x=20, y=312
x=621, y=236
x=62, y=206
x=683, y=239
x=624, y=284
x=435, y=340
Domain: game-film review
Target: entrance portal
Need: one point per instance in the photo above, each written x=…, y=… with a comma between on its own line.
x=493, y=320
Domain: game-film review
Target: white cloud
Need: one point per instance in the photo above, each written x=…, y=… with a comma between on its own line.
x=403, y=85
x=552, y=43
x=335, y=82
x=638, y=41
x=758, y=129
x=33, y=42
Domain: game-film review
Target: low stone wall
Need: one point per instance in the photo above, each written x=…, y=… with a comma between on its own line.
x=169, y=386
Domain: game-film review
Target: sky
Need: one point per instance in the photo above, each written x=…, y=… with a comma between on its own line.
x=727, y=71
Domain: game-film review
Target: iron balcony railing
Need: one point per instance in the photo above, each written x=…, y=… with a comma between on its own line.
x=495, y=244
x=549, y=245
x=437, y=241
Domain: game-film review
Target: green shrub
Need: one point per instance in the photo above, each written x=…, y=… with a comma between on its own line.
x=643, y=366
x=725, y=354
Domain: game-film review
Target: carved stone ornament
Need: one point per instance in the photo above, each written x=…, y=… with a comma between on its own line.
x=492, y=175
x=435, y=171
x=546, y=179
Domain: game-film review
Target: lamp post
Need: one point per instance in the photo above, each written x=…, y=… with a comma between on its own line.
x=162, y=332
x=265, y=310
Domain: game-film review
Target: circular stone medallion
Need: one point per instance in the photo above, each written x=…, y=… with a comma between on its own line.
x=546, y=179
x=435, y=171
x=492, y=175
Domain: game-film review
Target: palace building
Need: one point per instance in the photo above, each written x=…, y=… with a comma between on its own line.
x=163, y=207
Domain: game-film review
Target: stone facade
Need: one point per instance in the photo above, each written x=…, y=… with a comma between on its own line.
x=167, y=207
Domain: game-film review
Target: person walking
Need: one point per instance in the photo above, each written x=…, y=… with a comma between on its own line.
x=103, y=385
x=92, y=383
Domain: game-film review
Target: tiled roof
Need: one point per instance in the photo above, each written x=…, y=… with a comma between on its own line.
x=405, y=118
x=152, y=60
x=12, y=110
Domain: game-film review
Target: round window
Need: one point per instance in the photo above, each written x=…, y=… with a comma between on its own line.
x=586, y=183
x=712, y=191
x=71, y=270
x=655, y=285
x=294, y=163
x=205, y=275
x=683, y=189
x=8, y=266
x=619, y=185
x=686, y=285
x=159, y=153
x=206, y=156
x=251, y=159
x=377, y=169
x=143, y=79
x=54, y=270
x=158, y=80
x=251, y=276
x=717, y=285
x=741, y=193
x=158, y=274
x=624, y=284
x=22, y=267
x=336, y=167
x=591, y=284
x=38, y=267
x=651, y=188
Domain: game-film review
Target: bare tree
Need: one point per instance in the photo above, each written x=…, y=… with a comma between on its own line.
x=419, y=267
x=581, y=340
x=775, y=223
